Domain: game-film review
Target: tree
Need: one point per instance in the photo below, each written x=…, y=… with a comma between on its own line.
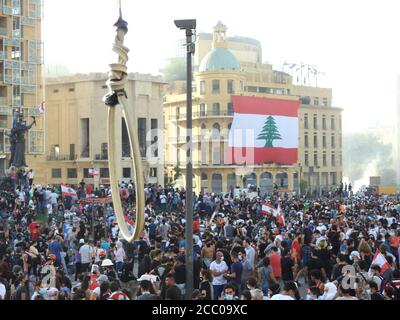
x=178, y=173
x=269, y=132
x=174, y=70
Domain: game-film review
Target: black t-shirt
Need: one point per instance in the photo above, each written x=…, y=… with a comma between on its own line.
x=173, y=293
x=237, y=268
x=286, y=266
x=337, y=271
x=207, y=287
x=180, y=274
x=155, y=264
x=196, y=272
x=261, y=250
x=377, y=296
x=314, y=264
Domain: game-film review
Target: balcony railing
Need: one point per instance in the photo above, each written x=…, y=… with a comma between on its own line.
x=203, y=115
x=101, y=157
x=85, y=154
x=58, y=157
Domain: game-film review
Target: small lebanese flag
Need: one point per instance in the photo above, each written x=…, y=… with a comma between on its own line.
x=93, y=172
x=277, y=213
x=264, y=130
x=280, y=215
x=380, y=260
x=266, y=208
x=41, y=108
x=68, y=191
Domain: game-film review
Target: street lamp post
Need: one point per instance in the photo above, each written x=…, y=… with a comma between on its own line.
x=189, y=26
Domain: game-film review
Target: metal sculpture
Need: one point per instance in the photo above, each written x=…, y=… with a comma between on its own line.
x=118, y=78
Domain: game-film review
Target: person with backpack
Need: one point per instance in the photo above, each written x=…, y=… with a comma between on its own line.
x=266, y=275
x=377, y=277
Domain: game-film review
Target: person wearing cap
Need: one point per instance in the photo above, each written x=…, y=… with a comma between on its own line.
x=86, y=252
x=97, y=290
x=109, y=269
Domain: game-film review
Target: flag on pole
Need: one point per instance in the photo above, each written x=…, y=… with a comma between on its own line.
x=68, y=191
x=277, y=213
x=280, y=215
x=41, y=108
x=264, y=130
x=380, y=260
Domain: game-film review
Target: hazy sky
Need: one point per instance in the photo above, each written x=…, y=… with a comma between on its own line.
x=355, y=42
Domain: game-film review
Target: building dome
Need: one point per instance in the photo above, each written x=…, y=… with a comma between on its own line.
x=219, y=59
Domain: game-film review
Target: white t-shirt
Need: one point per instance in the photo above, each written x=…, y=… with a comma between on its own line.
x=96, y=291
x=53, y=198
x=163, y=199
x=2, y=291
x=86, y=252
x=281, y=297
x=221, y=267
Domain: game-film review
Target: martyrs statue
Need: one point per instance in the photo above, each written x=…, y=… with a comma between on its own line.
x=17, y=142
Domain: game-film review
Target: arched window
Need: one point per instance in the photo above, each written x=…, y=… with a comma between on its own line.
x=217, y=183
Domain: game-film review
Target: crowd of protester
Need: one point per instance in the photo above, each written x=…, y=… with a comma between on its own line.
x=324, y=251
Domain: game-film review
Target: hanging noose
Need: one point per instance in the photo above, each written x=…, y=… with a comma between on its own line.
x=118, y=78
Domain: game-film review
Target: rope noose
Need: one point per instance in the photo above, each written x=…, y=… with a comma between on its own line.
x=118, y=78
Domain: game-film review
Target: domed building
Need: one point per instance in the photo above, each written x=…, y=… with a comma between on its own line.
x=220, y=77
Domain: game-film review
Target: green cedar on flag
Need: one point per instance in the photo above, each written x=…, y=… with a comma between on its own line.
x=269, y=132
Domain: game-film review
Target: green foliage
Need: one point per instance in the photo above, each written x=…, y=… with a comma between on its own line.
x=174, y=70
x=303, y=186
x=178, y=173
x=269, y=132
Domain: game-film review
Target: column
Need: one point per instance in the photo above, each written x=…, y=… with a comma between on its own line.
x=224, y=181
x=290, y=180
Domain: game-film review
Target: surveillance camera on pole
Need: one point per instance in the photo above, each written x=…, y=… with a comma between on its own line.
x=189, y=26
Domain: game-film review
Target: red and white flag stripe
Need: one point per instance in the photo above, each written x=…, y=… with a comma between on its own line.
x=68, y=191
x=277, y=213
x=380, y=260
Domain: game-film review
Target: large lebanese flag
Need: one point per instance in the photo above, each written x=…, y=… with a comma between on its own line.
x=264, y=130
x=380, y=260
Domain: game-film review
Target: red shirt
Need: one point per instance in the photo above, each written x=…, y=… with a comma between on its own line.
x=32, y=226
x=394, y=242
x=275, y=261
x=35, y=235
x=296, y=247
x=196, y=226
